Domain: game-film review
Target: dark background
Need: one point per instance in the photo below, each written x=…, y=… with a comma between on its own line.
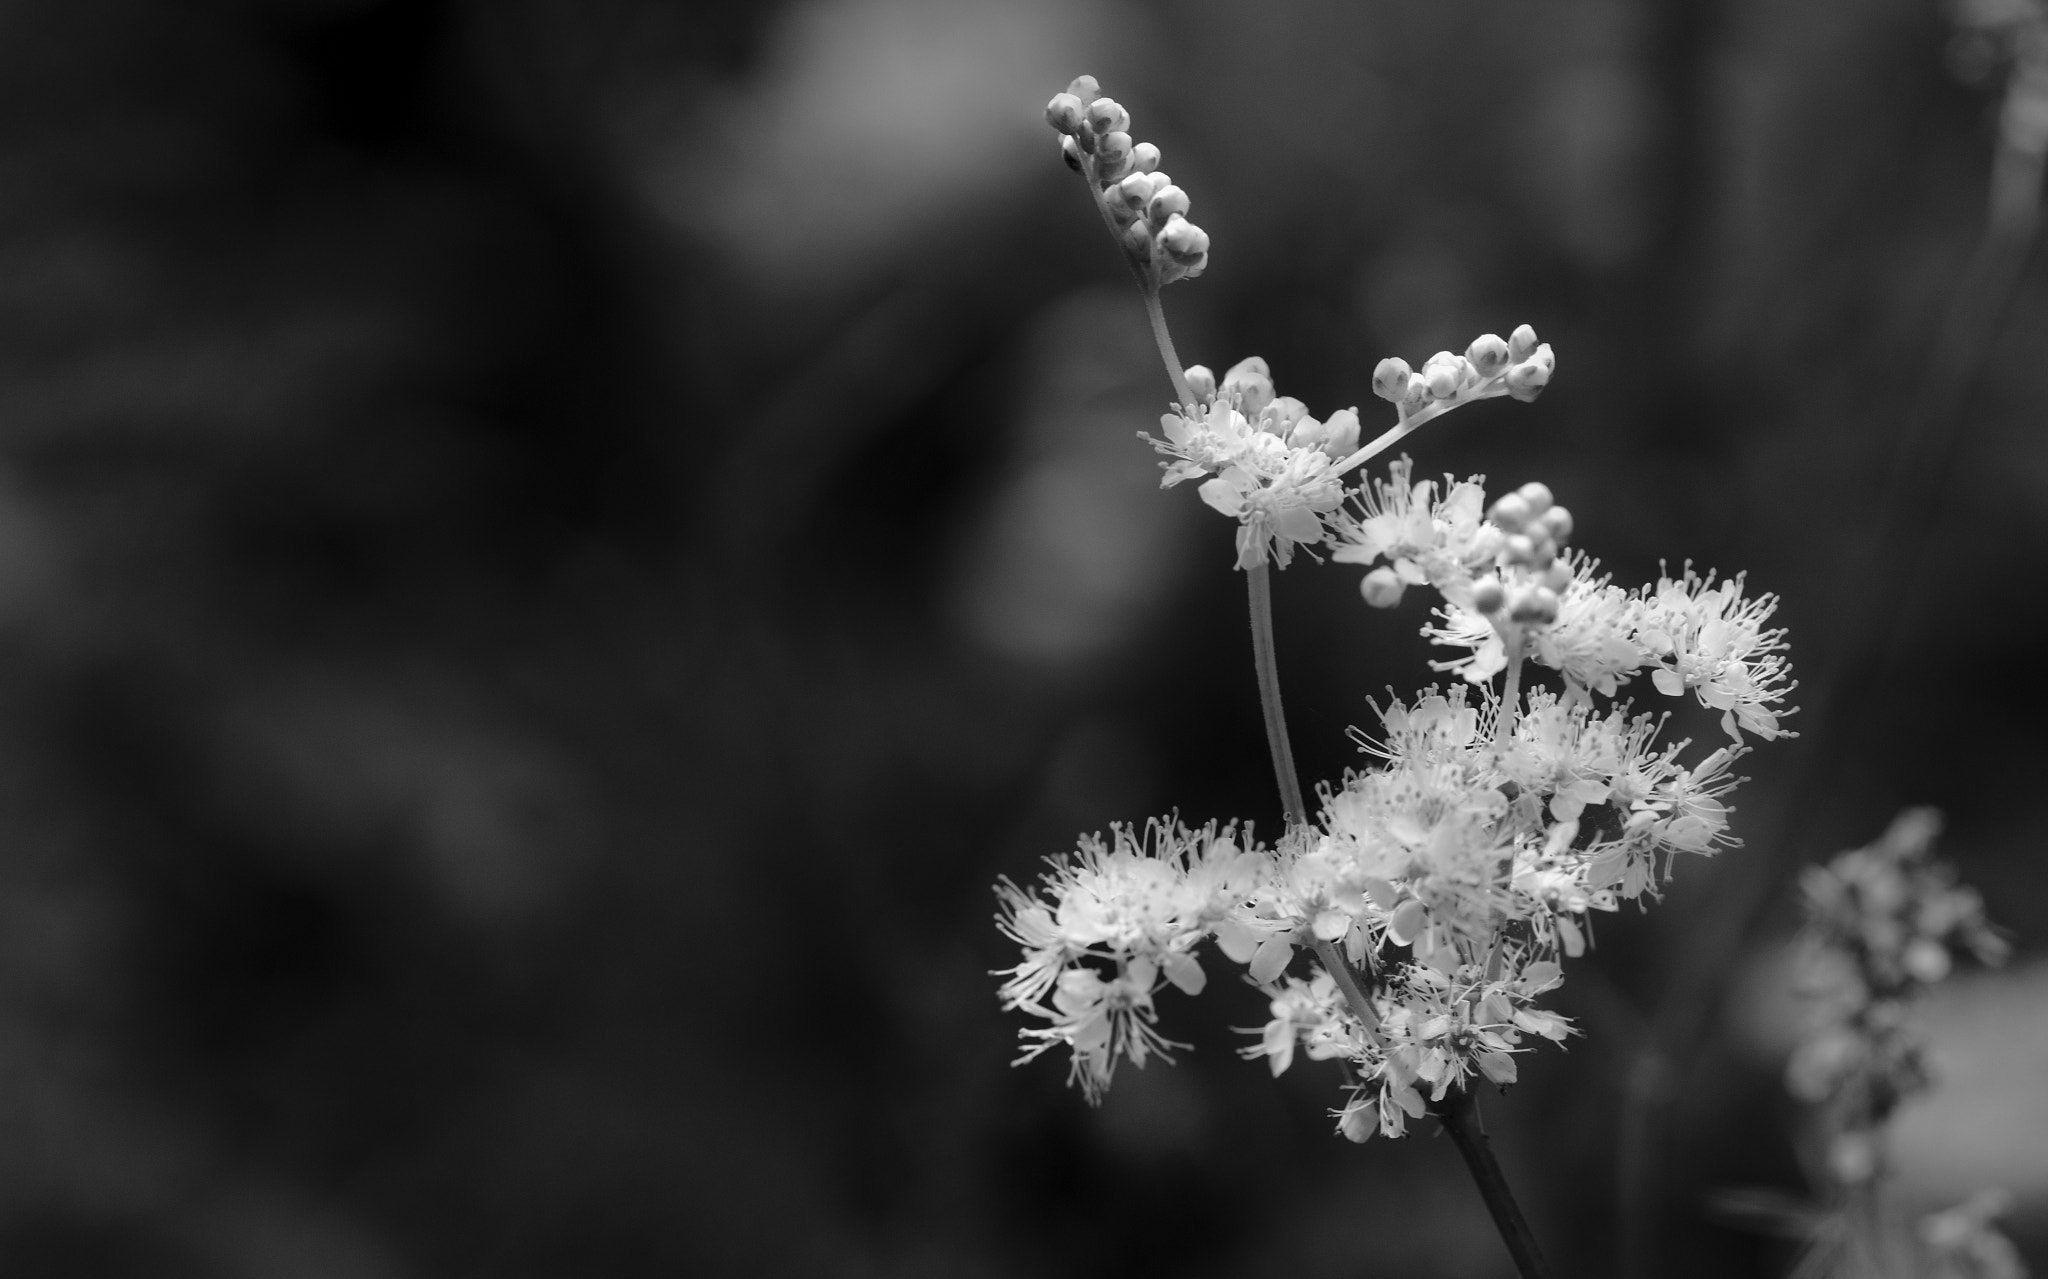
x=550, y=552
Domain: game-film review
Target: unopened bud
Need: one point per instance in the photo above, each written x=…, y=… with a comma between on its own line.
x=1138, y=240
x=1557, y=521
x=1558, y=575
x=1538, y=604
x=1200, y=381
x=1107, y=115
x=1133, y=191
x=1526, y=381
x=1113, y=154
x=1284, y=412
x=1064, y=113
x=1167, y=203
x=1418, y=391
x=1390, y=379
x=1445, y=373
x=1191, y=270
x=1340, y=433
x=1510, y=512
x=1521, y=343
x=1382, y=587
x=1145, y=157
x=1183, y=240
x=1489, y=355
x=1070, y=151
x=1537, y=494
x=1085, y=88
x=1520, y=548
x=1252, y=383
x=1488, y=594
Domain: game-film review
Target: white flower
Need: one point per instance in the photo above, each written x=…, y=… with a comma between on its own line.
x=1706, y=637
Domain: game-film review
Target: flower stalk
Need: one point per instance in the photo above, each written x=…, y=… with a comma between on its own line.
x=1259, y=588
x=1459, y=1114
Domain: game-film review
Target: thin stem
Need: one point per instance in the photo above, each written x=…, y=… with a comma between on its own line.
x=1511, y=691
x=1259, y=585
x=1156, y=313
x=1459, y=1113
x=1347, y=982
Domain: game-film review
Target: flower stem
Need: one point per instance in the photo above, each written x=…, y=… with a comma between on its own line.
x=1459, y=1114
x=1157, y=314
x=1511, y=691
x=1259, y=585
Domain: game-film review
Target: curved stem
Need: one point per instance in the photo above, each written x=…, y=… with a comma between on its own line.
x=1156, y=313
x=1459, y=1113
x=1259, y=585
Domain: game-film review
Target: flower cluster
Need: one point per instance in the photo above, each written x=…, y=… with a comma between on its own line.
x=1882, y=924
x=1144, y=207
x=1280, y=472
x=1457, y=874
x=1507, y=581
x=1274, y=467
x=1441, y=887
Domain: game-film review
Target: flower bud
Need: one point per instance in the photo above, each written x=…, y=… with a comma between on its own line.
x=1488, y=594
x=1070, y=151
x=1200, y=381
x=1526, y=381
x=1183, y=240
x=1382, y=587
x=1418, y=391
x=1340, y=434
x=1166, y=203
x=1557, y=521
x=1132, y=192
x=1521, y=343
x=1510, y=512
x=1538, y=605
x=1107, y=115
x=1085, y=88
x=1284, y=412
x=1188, y=272
x=1445, y=374
x=1138, y=241
x=1520, y=548
x=1489, y=355
x=1064, y=113
x=1252, y=383
x=1537, y=495
x=1558, y=575
x=1145, y=157
x=1390, y=379
x=1113, y=154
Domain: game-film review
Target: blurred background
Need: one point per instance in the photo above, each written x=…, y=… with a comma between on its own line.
x=551, y=551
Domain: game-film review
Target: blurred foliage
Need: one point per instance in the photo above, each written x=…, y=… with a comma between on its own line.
x=550, y=551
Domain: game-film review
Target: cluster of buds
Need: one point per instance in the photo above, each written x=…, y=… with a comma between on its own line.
x=1520, y=366
x=1143, y=206
x=1531, y=577
x=1882, y=924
